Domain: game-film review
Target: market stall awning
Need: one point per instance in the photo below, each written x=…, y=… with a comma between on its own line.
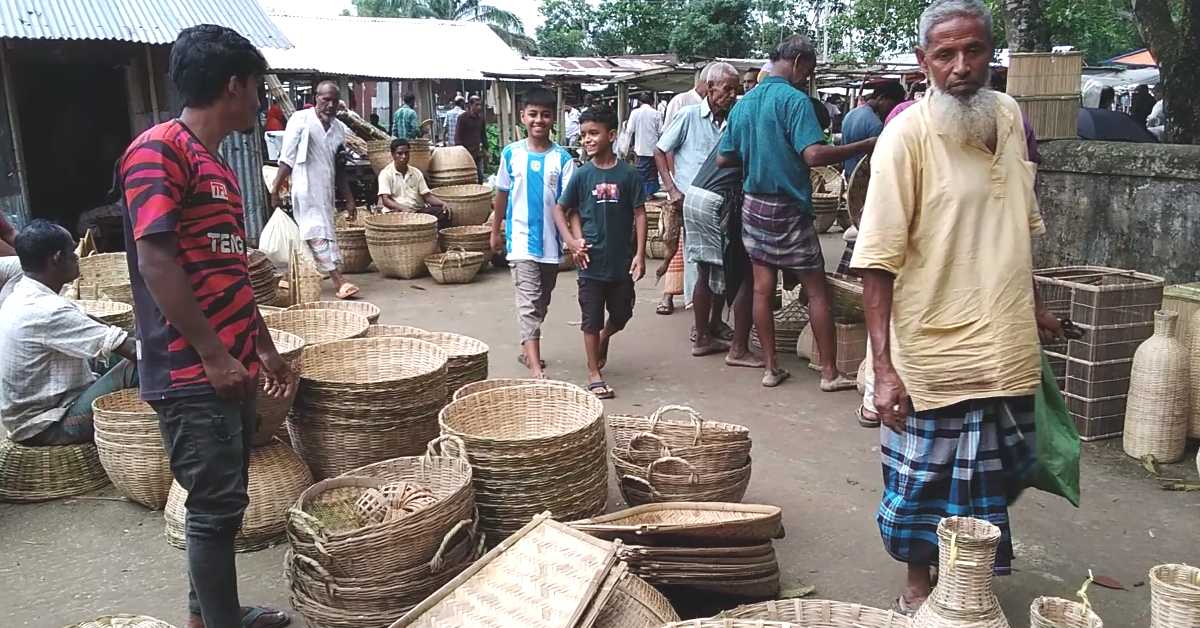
x=390, y=48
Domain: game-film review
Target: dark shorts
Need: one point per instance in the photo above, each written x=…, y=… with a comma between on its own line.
x=597, y=295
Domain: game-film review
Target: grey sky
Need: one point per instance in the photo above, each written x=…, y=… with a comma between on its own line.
x=527, y=10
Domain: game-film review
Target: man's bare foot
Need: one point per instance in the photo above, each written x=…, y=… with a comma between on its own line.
x=602, y=353
x=708, y=346
x=746, y=359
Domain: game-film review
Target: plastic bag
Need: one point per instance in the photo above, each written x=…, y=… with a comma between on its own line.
x=1057, y=467
x=279, y=237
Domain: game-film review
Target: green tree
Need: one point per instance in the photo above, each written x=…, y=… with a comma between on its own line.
x=1171, y=29
x=772, y=21
x=505, y=23
x=635, y=26
x=566, y=29
x=713, y=28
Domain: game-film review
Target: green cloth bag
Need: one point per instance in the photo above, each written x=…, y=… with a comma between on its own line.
x=1057, y=468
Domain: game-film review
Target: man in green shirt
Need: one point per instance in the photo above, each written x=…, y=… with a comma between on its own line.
x=404, y=121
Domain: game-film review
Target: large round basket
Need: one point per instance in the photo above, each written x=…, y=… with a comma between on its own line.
x=533, y=448
x=277, y=478
x=475, y=238
x=273, y=411
x=1174, y=596
x=320, y=325
x=131, y=449
x=1055, y=612
x=34, y=474
x=468, y=204
x=105, y=276
x=379, y=152
x=489, y=384
x=123, y=621
x=378, y=331
x=455, y=266
x=419, y=156
x=400, y=242
x=819, y=614
x=112, y=313
x=467, y=357
x=366, y=400
x=451, y=165
x=356, y=256
x=367, y=310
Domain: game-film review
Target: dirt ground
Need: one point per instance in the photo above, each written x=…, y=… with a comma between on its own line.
x=70, y=560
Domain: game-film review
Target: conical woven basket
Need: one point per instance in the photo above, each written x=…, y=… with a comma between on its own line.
x=1156, y=416
x=277, y=478
x=1174, y=596
x=131, y=449
x=964, y=597
x=272, y=411
x=34, y=474
x=1055, y=612
x=819, y=614
x=1194, y=374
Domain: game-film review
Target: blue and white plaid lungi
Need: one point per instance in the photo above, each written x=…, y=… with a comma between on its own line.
x=963, y=460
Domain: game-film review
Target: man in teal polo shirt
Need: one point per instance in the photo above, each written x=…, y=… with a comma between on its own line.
x=774, y=135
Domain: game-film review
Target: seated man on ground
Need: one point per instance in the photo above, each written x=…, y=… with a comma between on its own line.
x=46, y=381
x=402, y=187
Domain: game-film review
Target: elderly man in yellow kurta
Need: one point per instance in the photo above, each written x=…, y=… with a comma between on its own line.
x=945, y=252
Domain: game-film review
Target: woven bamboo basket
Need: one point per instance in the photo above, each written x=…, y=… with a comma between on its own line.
x=856, y=189
x=790, y=321
x=964, y=596
x=847, y=294
x=819, y=614
x=105, y=276
x=1055, y=612
x=277, y=478
x=732, y=623
x=273, y=411
x=1156, y=417
x=475, y=238
x=468, y=204
x=130, y=448
x=1194, y=372
x=356, y=255
x=688, y=432
x=699, y=524
x=451, y=166
x=367, y=310
x=317, y=326
x=34, y=474
x=828, y=187
x=303, y=280
x=1041, y=73
x=534, y=448
x=634, y=603
x=380, y=549
x=645, y=448
x=112, y=313
x=467, y=361
x=672, y=479
x=655, y=247
x=366, y=400
x=379, y=152
x=1174, y=596
x=455, y=267
x=380, y=331
x=123, y=621
x=400, y=242
x=489, y=384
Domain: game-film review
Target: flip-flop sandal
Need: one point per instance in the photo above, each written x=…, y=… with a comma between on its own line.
x=841, y=382
x=601, y=390
x=348, y=291
x=774, y=378
x=749, y=363
x=262, y=617
x=525, y=363
x=664, y=309
x=863, y=420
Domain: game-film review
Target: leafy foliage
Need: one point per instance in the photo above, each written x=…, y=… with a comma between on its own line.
x=565, y=32
x=713, y=28
x=634, y=26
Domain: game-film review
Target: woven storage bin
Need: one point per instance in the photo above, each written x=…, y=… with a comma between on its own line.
x=277, y=478
x=534, y=448
x=688, y=523
x=112, y=313
x=273, y=411
x=105, y=276
x=851, y=346
x=400, y=242
x=672, y=479
x=34, y=474
x=1174, y=596
x=131, y=449
x=123, y=621
x=1156, y=417
x=366, y=400
x=489, y=384
x=655, y=247
x=645, y=448
x=467, y=204
x=379, y=152
x=380, y=549
x=317, y=326
x=964, y=596
x=1055, y=612
x=365, y=309
x=451, y=166
x=1193, y=352
x=1099, y=296
x=819, y=614
x=380, y=331
x=1041, y=73
x=475, y=238
x=467, y=358
x=356, y=256
x=690, y=431
x=455, y=266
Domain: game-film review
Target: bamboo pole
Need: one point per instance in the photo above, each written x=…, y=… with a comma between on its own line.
x=14, y=123
x=153, y=86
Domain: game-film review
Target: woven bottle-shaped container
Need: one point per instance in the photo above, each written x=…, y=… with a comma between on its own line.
x=1194, y=364
x=1055, y=612
x=964, y=597
x=1174, y=596
x=1156, y=416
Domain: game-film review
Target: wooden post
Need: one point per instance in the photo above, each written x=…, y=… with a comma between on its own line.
x=153, y=86
x=24, y=214
x=622, y=102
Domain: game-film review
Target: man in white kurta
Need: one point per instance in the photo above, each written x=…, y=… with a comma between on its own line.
x=310, y=144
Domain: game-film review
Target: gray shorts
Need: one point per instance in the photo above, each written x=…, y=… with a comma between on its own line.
x=534, y=282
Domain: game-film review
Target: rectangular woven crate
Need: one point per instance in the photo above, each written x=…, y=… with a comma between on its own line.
x=1095, y=380
x=1109, y=342
x=851, y=347
x=1097, y=407
x=1099, y=428
x=1100, y=296
x=1058, y=364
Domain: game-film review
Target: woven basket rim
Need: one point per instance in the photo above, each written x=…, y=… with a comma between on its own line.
x=117, y=404
x=592, y=402
x=465, y=230
x=449, y=338
x=99, y=307
x=462, y=190
x=357, y=321
x=286, y=343
x=343, y=376
x=401, y=219
x=367, y=308
x=1174, y=586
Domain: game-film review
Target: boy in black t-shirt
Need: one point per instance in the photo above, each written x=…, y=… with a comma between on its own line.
x=602, y=218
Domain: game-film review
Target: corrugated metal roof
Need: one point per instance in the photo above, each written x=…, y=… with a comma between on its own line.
x=141, y=21
x=389, y=48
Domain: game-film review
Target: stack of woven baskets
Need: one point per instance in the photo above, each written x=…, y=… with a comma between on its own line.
x=349, y=567
x=474, y=238
x=105, y=276
x=34, y=474
x=452, y=165
x=828, y=185
x=366, y=400
x=112, y=313
x=661, y=460
x=455, y=266
x=131, y=447
x=264, y=279
x=467, y=358
x=356, y=255
x=400, y=242
x=533, y=447
x=468, y=204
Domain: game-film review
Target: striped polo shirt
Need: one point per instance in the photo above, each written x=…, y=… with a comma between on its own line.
x=534, y=181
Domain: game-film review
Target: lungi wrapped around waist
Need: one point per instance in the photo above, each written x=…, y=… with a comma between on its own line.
x=778, y=231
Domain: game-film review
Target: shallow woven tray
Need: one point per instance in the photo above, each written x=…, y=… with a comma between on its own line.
x=318, y=326
x=123, y=621
x=819, y=614
x=34, y=474
x=632, y=603
x=732, y=623
x=697, y=523
x=367, y=310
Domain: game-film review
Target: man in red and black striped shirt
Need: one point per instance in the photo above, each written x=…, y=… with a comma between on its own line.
x=203, y=344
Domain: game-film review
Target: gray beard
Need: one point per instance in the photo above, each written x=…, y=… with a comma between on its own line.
x=969, y=119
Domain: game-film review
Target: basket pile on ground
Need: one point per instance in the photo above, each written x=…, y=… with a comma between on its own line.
x=264, y=278
x=131, y=448
x=818, y=614
x=366, y=400
x=400, y=242
x=35, y=474
x=451, y=166
x=658, y=459
x=356, y=255
x=690, y=547
x=112, y=313
x=546, y=575
x=964, y=597
x=456, y=266
x=474, y=238
x=467, y=358
x=365, y=309
x=104, y=277
x=318, y=325
x=273, y=411
x=533, y=448
x=468, y=204
x=347, y=570
x=277, y=478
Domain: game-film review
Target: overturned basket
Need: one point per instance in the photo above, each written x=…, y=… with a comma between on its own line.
x=34, y=474
x=455, y=267
x=367, y=310
x=318, y=325
x=131, y=448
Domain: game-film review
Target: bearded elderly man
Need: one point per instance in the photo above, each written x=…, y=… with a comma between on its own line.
x=945, y=254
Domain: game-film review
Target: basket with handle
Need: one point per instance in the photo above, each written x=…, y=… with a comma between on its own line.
x=272, y=411
x=646, y=447
x=318, y=325
x=34, y=474
x=1174, y=596
x=130, y=447
x=675, y=479
x=367, y=310
x=455, y=266
x=1055, y=612
x=691, y=431
x=467, y=204
x=819, y=614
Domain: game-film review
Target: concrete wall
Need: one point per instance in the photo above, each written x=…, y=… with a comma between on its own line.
x=1120, y=204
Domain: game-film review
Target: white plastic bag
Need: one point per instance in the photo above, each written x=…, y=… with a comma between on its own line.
x=279, y=237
